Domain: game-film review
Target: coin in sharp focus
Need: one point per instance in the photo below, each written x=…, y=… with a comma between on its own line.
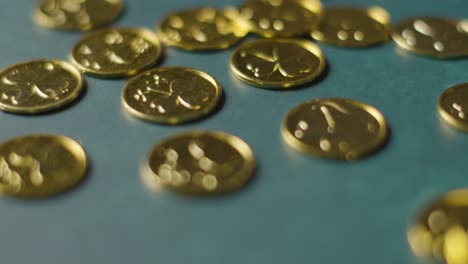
x=36, y=166
x=435, y=37
x=281, y=18
x=202, y=29
x=171, y=95
x=201, y=163
x=39, y=86
x=439, y=230
x=277, y=63
x=335, y=128
x=353, y=27
x=77, y=15
x=117, y=52
x=453, y=106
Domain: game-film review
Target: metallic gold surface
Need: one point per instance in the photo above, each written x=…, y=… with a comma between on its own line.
x=77, y=14
x=171, y=95
x=335, y=128
x=117, y=52
x=453, y=104
x=352, y=27
x=277, y=63
x=433, y=36
x=40, y=165
x=201, y=163
x=202, y=29
x=281, y=18
x=39, y=86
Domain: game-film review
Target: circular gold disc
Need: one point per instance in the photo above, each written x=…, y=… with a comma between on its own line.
x=171, y=95
x=335, y=128
x=453, y=106
x=352, y=27
x=439, y=230
x=39, y=86
x=202, y=29
x=117, y=52
x=281, y=18
x=40, y=165
x=201, y=163
x=77, y=15
x=434, y=37
x=277, y=63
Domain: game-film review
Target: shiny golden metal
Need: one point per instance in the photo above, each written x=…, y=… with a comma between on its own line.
x=117, y=52
x=40, y=165
x=277, y=63
x=202, y=29
x=77, y=14
x=281, y=18
x=453, y=106
x=353, y=27
x=335, y=128
x=433, y=36
x=171, y=95
x=39, y=86
x=201, y=163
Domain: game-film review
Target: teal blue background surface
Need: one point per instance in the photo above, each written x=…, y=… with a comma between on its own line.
x=298, y=209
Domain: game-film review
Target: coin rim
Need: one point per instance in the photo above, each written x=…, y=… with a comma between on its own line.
x=446, y=116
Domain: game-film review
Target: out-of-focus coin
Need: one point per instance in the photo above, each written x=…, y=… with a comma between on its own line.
x=453, y=106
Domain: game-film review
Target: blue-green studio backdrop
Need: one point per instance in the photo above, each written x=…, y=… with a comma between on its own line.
x=298, y=210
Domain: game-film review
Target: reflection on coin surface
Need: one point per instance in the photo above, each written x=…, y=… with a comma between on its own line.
x=40, y=165
x=453, y=106
x=335, y=128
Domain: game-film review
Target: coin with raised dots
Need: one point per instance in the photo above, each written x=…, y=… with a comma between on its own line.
x=277, y=63
x=117, y=52
x=353, y=27
x=77, y=14
x=39, y=86
x=335, y=128
x=36, y=166
x=201, y=163
x=453, y=106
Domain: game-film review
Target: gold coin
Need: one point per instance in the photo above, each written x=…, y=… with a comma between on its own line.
x=352, y=27
x=431, y=36
x=335, y=128
x=39, y=86
x=77, y=14
x=201, y=163
x=439, y=230
x=171, y=95
x=116, y=52
x=202, y=29
x=277, y=63
x=281, y=18
x=453, y=104
x=40, y=165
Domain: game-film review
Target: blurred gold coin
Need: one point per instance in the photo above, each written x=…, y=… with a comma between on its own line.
x=117, y=52
x=352, y=27
x=40, y=165
x=453, y=104
x=77, y=14
x=335, y=128
x=202, y=29
x=277, y=63
x=201, y=163
x=281, y=18
x=171, y=95
x=39, y=86
x=433, y=36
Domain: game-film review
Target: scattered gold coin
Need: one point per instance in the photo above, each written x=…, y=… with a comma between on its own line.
x=352, y=27
x=39, y=86
x=202, y=29
x=171, y=95
x=453, y=104
x=40, y=165
x=281, y=18
x=77, y=14
x=201, y=163
x=277, y=63
x=432, y=36
x=335, y=128
x=117, y=52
